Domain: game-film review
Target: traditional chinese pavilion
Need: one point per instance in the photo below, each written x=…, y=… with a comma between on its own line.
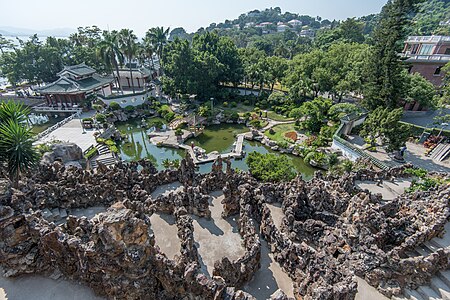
x=75, y=83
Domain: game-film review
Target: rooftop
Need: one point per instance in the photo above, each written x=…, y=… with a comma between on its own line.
x=78, y=70
x=66, y=85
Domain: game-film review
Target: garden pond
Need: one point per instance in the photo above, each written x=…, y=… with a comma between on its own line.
x=214, y=138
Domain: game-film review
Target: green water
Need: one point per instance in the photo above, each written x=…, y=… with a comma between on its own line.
x=138, y=146
x=214, y=138
x=218, y=137
x=249, y=146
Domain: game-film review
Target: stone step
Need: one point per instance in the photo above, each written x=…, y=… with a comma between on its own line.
x=47, y=214
x=423, y=250
x=63, y=213
x=413, y=253
x=440, y=287
x=431, y=246
x=440, y=243
x=413, y=295
x=444, y=275
x=55, y=214
x=428, y=293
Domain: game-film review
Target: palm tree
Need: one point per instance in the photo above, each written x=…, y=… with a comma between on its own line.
x=158, y=37
x=127, y=42
x=109, y=51
x=149, y=50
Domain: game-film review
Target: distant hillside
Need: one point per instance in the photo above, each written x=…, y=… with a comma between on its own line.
x=433, y=17
x=16, y=31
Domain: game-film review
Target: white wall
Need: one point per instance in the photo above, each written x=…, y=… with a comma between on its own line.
x=133, y=100
x=347, y=152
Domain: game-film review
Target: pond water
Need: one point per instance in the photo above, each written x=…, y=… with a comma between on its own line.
x=138, y=146
x=214, y=138
x=52, y=120
x=218, y=137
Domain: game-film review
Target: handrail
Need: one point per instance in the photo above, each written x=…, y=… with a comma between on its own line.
x=339, y=140
x=57, y=125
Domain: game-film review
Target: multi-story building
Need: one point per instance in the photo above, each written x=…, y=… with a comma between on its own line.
x=427, y=55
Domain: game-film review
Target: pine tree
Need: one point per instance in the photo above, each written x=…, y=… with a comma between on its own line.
x=385, y=86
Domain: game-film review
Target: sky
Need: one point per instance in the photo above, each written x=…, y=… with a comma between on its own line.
x=140, y=15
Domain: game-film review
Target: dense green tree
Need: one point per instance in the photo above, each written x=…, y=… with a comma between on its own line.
x=385, y=86
x=384, y=124
x=339, y=110
x=421, y=90
x=313, y=114
x=270, y=167
x=276, y=70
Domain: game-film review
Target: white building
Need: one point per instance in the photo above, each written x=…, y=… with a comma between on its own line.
x=294, y=23
x=282, y=28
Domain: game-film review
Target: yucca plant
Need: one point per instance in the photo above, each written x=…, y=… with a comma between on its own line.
x=14, y=111
x=16, y=148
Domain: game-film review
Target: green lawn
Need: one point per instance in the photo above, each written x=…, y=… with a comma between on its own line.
x=280, y=130
x=240, y=108
x=277, y=117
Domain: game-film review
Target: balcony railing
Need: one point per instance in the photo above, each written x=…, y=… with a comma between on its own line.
x=429, y=58
x=428, y=39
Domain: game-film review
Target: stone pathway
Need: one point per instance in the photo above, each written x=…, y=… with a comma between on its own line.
x=218, y=237
x=269, y=278
x=36, y=287
x=165, y=229
x=388, y=190
x=273, y=123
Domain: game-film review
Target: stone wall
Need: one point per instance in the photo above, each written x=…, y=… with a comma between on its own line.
x=330, y=232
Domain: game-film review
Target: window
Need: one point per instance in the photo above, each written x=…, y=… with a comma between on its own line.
x=426, y=49
x=437, y=71
x=447, y=51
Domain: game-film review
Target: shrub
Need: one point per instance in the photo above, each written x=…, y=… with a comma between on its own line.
x=256, y=124
x=247, y=102
x=169, y=116
x=157, y=123
x=91, y=153
x=234, y=116
x=87, y=120
x=101, y=118
x=283, y=144
x=318, y=157
x=97, y=107
x=179, y=132
x=270, y=167
x=225, y=104
x=129, y=108
x=233, y=104
x=114, y=106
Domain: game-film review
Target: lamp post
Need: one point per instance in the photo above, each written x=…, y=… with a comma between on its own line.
x=212, y=105
x=443, y=125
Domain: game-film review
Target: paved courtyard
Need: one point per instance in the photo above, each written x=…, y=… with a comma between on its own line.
x=72, y=131
x=414, y=154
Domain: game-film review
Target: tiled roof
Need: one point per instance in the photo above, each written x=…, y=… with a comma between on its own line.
x=68, y=86
x=78, y=70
